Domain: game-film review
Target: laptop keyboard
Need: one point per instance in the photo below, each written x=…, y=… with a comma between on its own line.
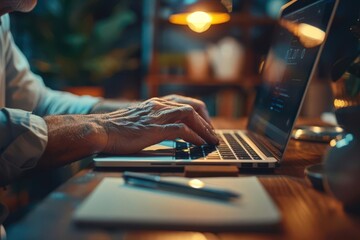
x=249, y=149
x=230, y=147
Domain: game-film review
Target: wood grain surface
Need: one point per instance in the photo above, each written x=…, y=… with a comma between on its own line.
x=306, y=212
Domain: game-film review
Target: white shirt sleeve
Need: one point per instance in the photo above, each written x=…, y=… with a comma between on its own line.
x=26, y=91
x=24, y=99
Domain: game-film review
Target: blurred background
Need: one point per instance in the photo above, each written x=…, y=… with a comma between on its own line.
x=130, y=49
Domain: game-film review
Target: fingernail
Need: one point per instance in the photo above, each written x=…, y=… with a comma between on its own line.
x=214, y=138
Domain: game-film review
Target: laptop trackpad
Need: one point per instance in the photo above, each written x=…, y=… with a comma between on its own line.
x=163, y=151
x=165, y=147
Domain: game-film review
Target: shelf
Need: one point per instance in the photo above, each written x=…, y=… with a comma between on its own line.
x=228, y=98
x=164, y=78
x=245, y=82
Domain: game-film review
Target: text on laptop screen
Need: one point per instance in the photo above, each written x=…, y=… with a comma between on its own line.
x=295, y=47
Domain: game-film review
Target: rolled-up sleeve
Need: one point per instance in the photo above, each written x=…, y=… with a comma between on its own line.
x=22, y=141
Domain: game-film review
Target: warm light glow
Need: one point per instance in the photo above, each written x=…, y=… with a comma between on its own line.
x=298, y=133
x=199, y=21
x=196, y=183
x=309, y=36
x=339, y=103
x=316, y=129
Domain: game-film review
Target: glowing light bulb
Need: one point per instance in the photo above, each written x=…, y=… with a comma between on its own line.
x=199, y=21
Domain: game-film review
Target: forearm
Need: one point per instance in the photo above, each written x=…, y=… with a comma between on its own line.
x=72, y=137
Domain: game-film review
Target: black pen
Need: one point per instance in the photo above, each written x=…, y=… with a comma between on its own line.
x=192, y=187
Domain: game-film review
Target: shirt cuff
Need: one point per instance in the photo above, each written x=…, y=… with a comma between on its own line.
x=29, y=137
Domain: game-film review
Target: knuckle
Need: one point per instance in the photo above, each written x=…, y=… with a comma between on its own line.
x=199, y=104
x=152, y=103
x=187, y=109
x=202, y=104
x=156, y=99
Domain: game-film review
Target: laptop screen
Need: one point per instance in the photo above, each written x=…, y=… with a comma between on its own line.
x=289, y=65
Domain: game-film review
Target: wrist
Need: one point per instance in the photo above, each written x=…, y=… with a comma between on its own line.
x=95, y=132
x=86, y=133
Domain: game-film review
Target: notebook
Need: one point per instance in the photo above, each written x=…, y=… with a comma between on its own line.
x=114, y=204
x=290, y=64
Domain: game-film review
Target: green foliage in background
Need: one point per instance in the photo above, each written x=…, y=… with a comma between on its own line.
x=78, y=42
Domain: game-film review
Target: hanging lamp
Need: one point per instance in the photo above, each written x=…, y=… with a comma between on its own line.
x=200, y=15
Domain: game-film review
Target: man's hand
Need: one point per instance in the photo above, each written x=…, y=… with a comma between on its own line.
x=132, y=129
x=126, y=131
x=113, y=105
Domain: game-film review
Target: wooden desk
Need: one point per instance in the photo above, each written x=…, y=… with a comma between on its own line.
x=307, y=213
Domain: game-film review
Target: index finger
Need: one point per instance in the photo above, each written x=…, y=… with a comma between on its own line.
x=187, y=115
x=199, y=106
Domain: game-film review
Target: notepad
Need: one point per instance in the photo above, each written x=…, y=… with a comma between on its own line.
x=114, y=204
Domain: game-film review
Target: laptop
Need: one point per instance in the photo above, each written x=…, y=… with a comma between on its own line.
x=290, y=64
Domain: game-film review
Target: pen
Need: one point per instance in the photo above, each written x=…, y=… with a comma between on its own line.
x=192, y=187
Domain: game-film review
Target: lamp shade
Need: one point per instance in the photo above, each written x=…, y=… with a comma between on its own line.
x=200, y=15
